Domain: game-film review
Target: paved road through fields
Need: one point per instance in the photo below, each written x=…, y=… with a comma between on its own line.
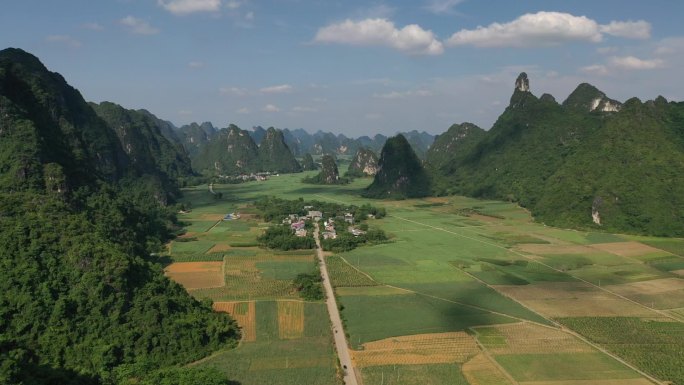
x=338, y=329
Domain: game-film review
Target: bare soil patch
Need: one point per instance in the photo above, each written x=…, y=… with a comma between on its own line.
x=626, y=249
x=219, y=247
x=196, y=275
x=434, y=348
x=290, y=319
x=244, y=314
x=654, y=286
x=573, y=299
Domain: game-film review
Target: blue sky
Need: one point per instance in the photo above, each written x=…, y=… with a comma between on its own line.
x=353, y=67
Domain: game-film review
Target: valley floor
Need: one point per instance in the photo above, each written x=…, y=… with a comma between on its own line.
x=468, y=292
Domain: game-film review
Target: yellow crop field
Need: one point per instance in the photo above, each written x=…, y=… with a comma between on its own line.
x=290, y=319
x=196, y=275
x=524, y=338
x=244, y=314
x=434, y=348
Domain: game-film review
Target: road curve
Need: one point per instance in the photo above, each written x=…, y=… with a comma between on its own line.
x=337, y=328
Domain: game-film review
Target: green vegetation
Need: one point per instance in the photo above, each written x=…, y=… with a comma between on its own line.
x=275, y=155
x=309, y=286
x=656, y=347
x=400, y=173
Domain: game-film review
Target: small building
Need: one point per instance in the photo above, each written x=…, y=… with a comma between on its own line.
x=356, y=232
x=315, y=215
x=349, y=218
x=329, y=235
x=301, y=232
x=297, y=225
x=231, y=216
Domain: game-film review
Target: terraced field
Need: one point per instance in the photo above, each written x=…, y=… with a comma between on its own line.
x=467, y=292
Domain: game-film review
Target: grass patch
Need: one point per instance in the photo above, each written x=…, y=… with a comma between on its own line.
x=563, y=366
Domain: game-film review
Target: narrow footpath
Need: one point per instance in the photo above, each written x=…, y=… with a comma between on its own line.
x=337, y=328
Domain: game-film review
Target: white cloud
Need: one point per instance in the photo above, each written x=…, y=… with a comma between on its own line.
x=634, y=63
x=403, y=95
x=606, y=50
x=196, y=64
x=595, y=69
x=184, y=7
x=64, y=40
x=249, y=16
x=138, y=26
x=303, y=109
x=184, y=112
x=411, y=39
x=548, y=29
x=233, y=90
x=279, y=89
x=622, y=63
x=93, y=26
x=628, y=29
x=442, y=6
x=270, y=108
x=532, y=29
x=243, y=110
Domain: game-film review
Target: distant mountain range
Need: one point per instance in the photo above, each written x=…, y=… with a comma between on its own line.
x=196, y=137
x=590, y=161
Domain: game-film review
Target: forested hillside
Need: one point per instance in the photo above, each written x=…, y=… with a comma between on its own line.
x=400, y=173
x=588, y=162
x=82, y=298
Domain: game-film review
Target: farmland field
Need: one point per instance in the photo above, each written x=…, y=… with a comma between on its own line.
x=466, y=292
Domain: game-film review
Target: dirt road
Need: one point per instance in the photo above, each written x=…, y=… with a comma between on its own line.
x=335, y=320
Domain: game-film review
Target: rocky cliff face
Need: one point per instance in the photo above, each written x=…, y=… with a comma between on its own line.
x=400, y=173
x=365, y=163
x=589, y=98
